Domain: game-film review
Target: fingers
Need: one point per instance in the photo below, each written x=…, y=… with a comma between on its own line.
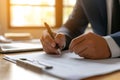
x=76, y=41
x=49, y=44
x=60, y=40
x=79, y=48
x=81, y=45
x=85, y=49
x=46, y=38
x=88, y=53
x=49, y=49
x=89, y=46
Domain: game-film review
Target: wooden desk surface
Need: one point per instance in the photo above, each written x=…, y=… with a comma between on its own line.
x=10, y=71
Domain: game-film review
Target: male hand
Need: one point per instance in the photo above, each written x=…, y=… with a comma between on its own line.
x=49, y=44
x=90, y=46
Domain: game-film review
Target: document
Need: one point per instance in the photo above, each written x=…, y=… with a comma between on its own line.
x=69, y=66
x=21, y=46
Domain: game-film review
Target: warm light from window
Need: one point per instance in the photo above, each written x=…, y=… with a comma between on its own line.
x=68, y=7
x=34, y=2
x=32, y=12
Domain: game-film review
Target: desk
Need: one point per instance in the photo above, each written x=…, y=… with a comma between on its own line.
x=10, y=71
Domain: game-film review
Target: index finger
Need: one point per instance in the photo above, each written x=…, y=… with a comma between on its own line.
x=48, y=39
x=76, y=41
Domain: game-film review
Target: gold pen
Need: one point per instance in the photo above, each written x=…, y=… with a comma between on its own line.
x=51, y=34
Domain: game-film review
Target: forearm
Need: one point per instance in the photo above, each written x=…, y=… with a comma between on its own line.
x=75, y=25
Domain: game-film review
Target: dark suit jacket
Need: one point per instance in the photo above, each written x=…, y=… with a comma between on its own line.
x=88, y=11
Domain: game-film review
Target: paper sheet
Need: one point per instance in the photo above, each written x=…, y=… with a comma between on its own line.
x=72, y=67
x=21, y=46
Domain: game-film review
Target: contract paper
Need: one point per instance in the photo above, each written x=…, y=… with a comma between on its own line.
x=70, y=66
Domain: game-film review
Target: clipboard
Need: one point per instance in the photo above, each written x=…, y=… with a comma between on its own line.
x=70, y=66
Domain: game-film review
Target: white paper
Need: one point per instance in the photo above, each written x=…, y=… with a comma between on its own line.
x=72, y=67
x=20, y=46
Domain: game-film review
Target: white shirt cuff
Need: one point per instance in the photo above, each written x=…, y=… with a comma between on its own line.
x=114, y=48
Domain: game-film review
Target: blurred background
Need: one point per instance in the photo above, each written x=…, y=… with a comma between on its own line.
x=27, y=16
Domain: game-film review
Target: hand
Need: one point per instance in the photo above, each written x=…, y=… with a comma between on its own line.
x=91, y=46
x=49, y=44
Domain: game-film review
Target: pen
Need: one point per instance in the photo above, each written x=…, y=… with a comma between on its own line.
x=33, y=63
x=51, y=34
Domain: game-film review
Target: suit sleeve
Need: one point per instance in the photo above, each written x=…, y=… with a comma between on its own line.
x=116, y=37
x=113, y=41
x=76, y=23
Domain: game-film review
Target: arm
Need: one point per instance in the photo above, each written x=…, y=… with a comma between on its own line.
x=76, y=23
x=74, y=26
